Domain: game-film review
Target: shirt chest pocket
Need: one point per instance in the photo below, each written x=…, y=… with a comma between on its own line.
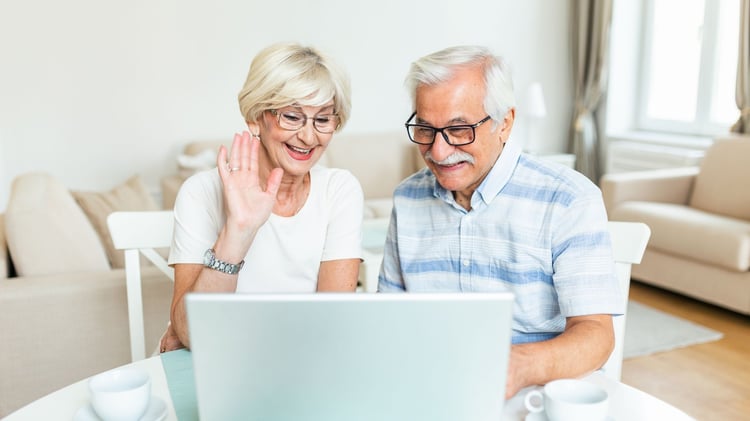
x=521, y=269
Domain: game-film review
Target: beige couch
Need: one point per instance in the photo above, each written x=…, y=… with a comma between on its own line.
x=700, y=224
x=63, y=309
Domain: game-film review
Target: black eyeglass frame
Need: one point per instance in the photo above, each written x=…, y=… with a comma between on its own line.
x=277, y=113
x=441, y=130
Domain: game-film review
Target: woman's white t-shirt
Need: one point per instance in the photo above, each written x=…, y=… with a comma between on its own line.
x=286, y=253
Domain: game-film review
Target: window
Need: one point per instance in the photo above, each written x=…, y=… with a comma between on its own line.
x=689, y=66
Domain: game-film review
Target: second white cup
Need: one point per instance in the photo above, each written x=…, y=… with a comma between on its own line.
x=121, y=394
x=569, y=400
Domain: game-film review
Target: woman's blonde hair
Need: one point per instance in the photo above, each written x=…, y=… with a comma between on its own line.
x=290, y=74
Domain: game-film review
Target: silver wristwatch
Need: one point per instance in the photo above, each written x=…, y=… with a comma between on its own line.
x=210, y=261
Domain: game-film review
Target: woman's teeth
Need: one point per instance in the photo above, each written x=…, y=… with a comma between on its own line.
x=299, y=150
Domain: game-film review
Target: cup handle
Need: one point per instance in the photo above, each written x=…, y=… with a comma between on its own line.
x=527, y=401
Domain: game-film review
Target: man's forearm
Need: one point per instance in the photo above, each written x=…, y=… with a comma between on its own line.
x=583, y=348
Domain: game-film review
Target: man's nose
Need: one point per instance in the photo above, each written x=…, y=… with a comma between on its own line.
x=440, y=148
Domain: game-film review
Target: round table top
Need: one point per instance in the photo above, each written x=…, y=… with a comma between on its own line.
x=626, y=402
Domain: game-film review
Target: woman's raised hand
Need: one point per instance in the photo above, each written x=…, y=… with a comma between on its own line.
x=247, y=203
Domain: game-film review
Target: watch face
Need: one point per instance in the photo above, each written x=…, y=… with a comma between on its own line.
x=208, y=258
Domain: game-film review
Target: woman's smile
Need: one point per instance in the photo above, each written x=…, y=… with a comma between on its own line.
x=302, y=154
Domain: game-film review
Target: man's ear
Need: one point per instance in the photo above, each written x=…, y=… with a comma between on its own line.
x=507, y=125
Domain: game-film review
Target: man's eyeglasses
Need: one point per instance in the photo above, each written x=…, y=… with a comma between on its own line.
x=458, y=135
x=294, y=120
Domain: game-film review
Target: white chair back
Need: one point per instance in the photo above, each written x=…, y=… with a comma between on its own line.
x=629, y=240
x=140, y=233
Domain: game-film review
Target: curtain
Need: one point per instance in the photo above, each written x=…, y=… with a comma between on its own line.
x=742, y=91
x=590, y=25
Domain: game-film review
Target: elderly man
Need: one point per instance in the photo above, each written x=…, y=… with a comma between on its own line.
x=485, y=217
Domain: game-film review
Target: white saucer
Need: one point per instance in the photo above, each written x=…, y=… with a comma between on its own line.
x=156, y=411
x=541, y=416
x=536, y=416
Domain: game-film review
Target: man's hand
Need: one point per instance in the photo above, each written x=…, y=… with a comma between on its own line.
x=582, y=348
x=520, y=366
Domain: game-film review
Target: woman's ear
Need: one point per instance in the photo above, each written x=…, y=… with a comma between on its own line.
x=253, y=127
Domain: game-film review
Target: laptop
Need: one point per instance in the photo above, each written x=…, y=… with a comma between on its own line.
x=336, y=356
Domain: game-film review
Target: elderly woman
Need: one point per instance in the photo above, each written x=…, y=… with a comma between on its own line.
x=267, y=219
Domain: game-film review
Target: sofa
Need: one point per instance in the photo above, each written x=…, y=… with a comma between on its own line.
x=700, y=224
x=63, y=308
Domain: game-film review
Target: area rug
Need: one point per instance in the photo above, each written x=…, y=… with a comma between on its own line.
x=648, y=331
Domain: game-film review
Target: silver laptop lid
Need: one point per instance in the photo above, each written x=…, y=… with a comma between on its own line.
x=350, y=356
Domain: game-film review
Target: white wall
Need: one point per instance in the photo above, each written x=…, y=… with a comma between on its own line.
x=93, y=92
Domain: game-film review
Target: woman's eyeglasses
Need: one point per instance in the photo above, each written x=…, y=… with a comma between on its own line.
x=290, y=119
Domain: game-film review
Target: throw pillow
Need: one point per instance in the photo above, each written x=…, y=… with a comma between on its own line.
x=130, y=196
x=716, y=186
x=47, y=232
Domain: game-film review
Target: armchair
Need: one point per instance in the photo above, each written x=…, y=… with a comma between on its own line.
x=700, y=224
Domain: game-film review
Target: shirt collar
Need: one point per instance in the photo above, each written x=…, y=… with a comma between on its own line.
x=500, y=173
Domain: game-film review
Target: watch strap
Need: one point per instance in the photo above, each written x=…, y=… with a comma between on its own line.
x=210, y=261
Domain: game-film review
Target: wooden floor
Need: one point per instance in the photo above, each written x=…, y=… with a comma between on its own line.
x=707, y=381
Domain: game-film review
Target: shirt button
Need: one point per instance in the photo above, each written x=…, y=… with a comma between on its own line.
x=466, y=263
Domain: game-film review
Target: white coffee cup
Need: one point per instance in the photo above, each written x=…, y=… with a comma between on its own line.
x=121, y=394
x=569, y=400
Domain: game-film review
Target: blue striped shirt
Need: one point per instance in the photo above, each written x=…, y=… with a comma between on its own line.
x=536, y=228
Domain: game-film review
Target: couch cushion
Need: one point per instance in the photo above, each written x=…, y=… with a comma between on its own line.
x=4, y=268
x=199, y=156
x=379, y=160
x=60, y=328
x=130, y=196
x=200, y=146
x=723, y=170
x=692, y=233
x=47, y=232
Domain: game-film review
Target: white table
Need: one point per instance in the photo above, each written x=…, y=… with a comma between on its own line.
x=626, y=403
x=64, y=403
